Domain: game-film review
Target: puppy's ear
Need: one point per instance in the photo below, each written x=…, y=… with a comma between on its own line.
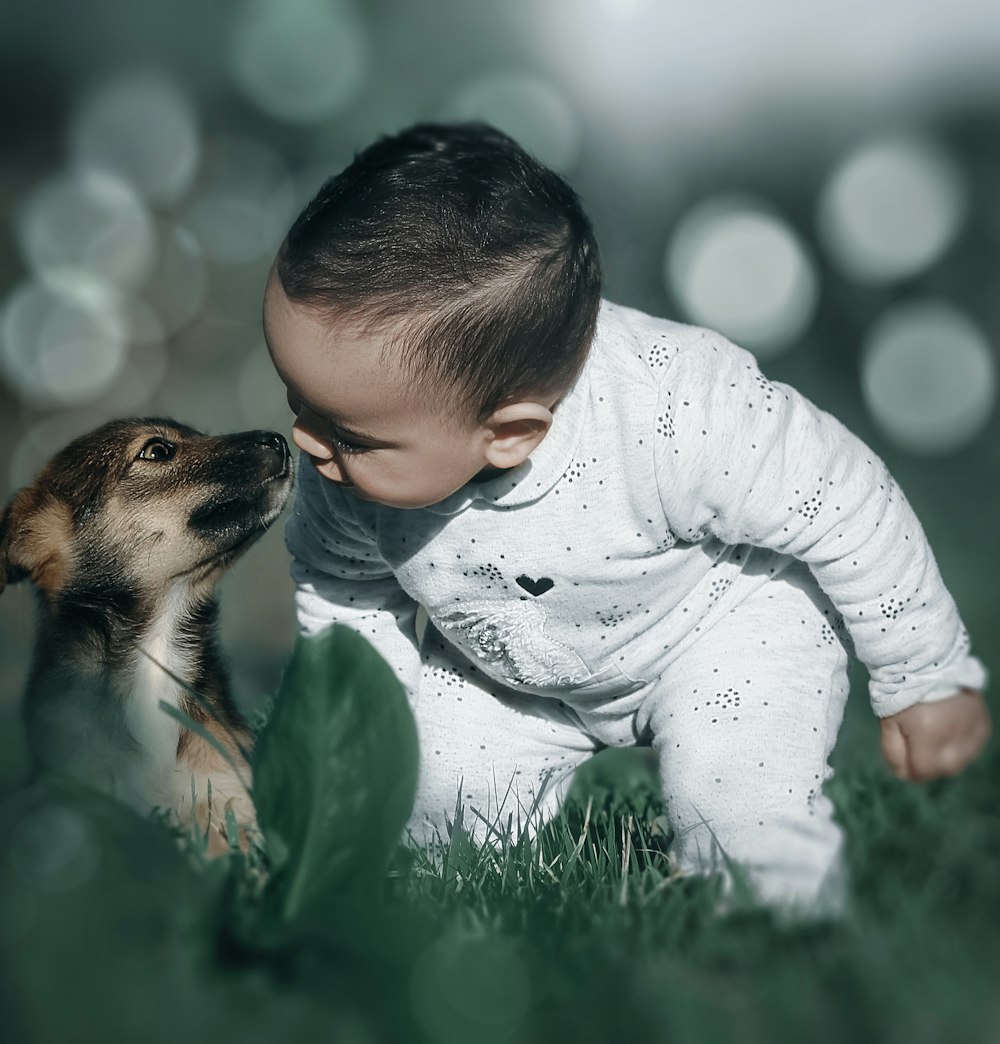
x=34, y=540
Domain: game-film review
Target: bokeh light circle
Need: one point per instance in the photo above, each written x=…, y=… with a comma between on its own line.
x=527, y=108
x=300, y=61
x=928, y=376
x=891, y=209
x=54, y=849
x=87, y=224
x=178, y=284
x=61, y=349
x=465, y=988
x=142, y=129
x=736, y=266
x=244, y=201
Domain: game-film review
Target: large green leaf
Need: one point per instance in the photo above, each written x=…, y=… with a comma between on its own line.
x=335, y=772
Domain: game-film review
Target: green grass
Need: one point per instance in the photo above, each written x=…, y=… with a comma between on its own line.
x=110, y=930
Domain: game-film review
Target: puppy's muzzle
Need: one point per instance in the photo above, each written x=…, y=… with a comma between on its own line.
x=252, y=476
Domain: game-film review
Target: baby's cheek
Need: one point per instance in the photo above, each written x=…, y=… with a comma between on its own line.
x=329, y=470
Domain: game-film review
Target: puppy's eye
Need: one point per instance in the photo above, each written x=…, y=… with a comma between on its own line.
x=156, y=449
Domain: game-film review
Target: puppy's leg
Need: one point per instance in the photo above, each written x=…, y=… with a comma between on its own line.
x=230, y=789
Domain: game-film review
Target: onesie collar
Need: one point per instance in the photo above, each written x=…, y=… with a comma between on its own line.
x=547, y=463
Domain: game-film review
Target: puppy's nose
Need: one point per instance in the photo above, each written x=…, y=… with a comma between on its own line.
x=273, y=441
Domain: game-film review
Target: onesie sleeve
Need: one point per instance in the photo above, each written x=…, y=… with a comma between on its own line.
x=341, y=578
x=749, y=460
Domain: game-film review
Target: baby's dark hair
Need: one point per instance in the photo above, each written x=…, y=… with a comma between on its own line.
x=475, y=261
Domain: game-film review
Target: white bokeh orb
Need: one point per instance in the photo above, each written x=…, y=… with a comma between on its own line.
x=737, y=267
x=87, y=224
x=891, y=209
x=928, y=376
x=528, y=108
x=61, y=348
x=300, y=61
x=141, y=128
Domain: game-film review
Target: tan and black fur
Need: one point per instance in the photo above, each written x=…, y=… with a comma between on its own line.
x=124, y=534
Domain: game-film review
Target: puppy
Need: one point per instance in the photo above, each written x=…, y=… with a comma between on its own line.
x=124, y=534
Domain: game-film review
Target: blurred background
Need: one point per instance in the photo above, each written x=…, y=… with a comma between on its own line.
x=819, y=181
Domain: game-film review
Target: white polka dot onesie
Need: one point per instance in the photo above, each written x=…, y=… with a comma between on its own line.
x=686, y=560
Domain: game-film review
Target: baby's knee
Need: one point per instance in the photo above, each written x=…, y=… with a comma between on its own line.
x=790, y=859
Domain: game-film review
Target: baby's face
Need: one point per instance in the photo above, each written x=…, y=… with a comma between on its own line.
x=361, y=420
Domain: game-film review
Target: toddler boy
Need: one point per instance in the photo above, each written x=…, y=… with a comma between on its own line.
x=621, y=532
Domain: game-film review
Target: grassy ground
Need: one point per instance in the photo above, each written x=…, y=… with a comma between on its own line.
x=110, y=931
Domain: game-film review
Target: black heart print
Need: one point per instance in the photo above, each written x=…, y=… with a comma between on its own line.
x=535, y=587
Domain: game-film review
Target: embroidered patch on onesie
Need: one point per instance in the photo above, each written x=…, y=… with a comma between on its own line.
x=511, y=639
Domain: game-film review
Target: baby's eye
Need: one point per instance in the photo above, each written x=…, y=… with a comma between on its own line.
x=343, y=446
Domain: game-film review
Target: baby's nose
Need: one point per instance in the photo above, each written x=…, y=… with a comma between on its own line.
x=308, y=443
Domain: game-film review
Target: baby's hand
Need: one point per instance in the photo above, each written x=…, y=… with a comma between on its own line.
x=929, y=740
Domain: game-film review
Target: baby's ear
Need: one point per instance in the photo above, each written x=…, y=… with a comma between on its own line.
x=34, y=543
x=515, y=431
